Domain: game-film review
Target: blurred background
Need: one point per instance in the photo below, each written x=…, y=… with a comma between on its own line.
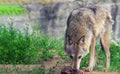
x=51, y=15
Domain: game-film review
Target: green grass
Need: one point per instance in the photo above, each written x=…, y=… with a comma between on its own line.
x=24, y=48
x=11, y=10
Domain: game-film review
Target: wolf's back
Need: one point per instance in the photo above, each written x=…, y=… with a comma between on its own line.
x=89, y=17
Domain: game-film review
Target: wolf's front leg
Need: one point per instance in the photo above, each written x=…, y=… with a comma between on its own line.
x=92, y=55
x=76, y=64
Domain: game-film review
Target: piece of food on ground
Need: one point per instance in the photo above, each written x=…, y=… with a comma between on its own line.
x=69, y=70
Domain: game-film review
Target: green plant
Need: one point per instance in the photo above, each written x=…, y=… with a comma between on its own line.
x=24, y=48
x=115, y=55
x=16, y=47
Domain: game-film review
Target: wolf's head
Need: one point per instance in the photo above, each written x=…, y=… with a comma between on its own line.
x=77, y=45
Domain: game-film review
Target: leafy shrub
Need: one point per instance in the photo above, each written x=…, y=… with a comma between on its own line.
x=49, y=47
x=15, y=47
x=24, y=48
x=115, y=55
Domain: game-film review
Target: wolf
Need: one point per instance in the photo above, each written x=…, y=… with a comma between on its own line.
x=84, y=27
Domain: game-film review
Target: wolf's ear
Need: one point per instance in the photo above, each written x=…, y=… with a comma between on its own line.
x=82, y=39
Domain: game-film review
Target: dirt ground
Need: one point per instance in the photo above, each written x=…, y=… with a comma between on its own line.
x=57, y=71
x=56, y=63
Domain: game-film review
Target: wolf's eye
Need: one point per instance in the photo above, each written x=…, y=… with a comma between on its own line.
x=82, y=39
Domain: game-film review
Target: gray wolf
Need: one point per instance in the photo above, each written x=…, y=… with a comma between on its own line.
x=84, y=27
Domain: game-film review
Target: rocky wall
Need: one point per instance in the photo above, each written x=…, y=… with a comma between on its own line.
x=52, y=17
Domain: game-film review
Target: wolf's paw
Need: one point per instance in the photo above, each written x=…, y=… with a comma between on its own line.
x=89, y=69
